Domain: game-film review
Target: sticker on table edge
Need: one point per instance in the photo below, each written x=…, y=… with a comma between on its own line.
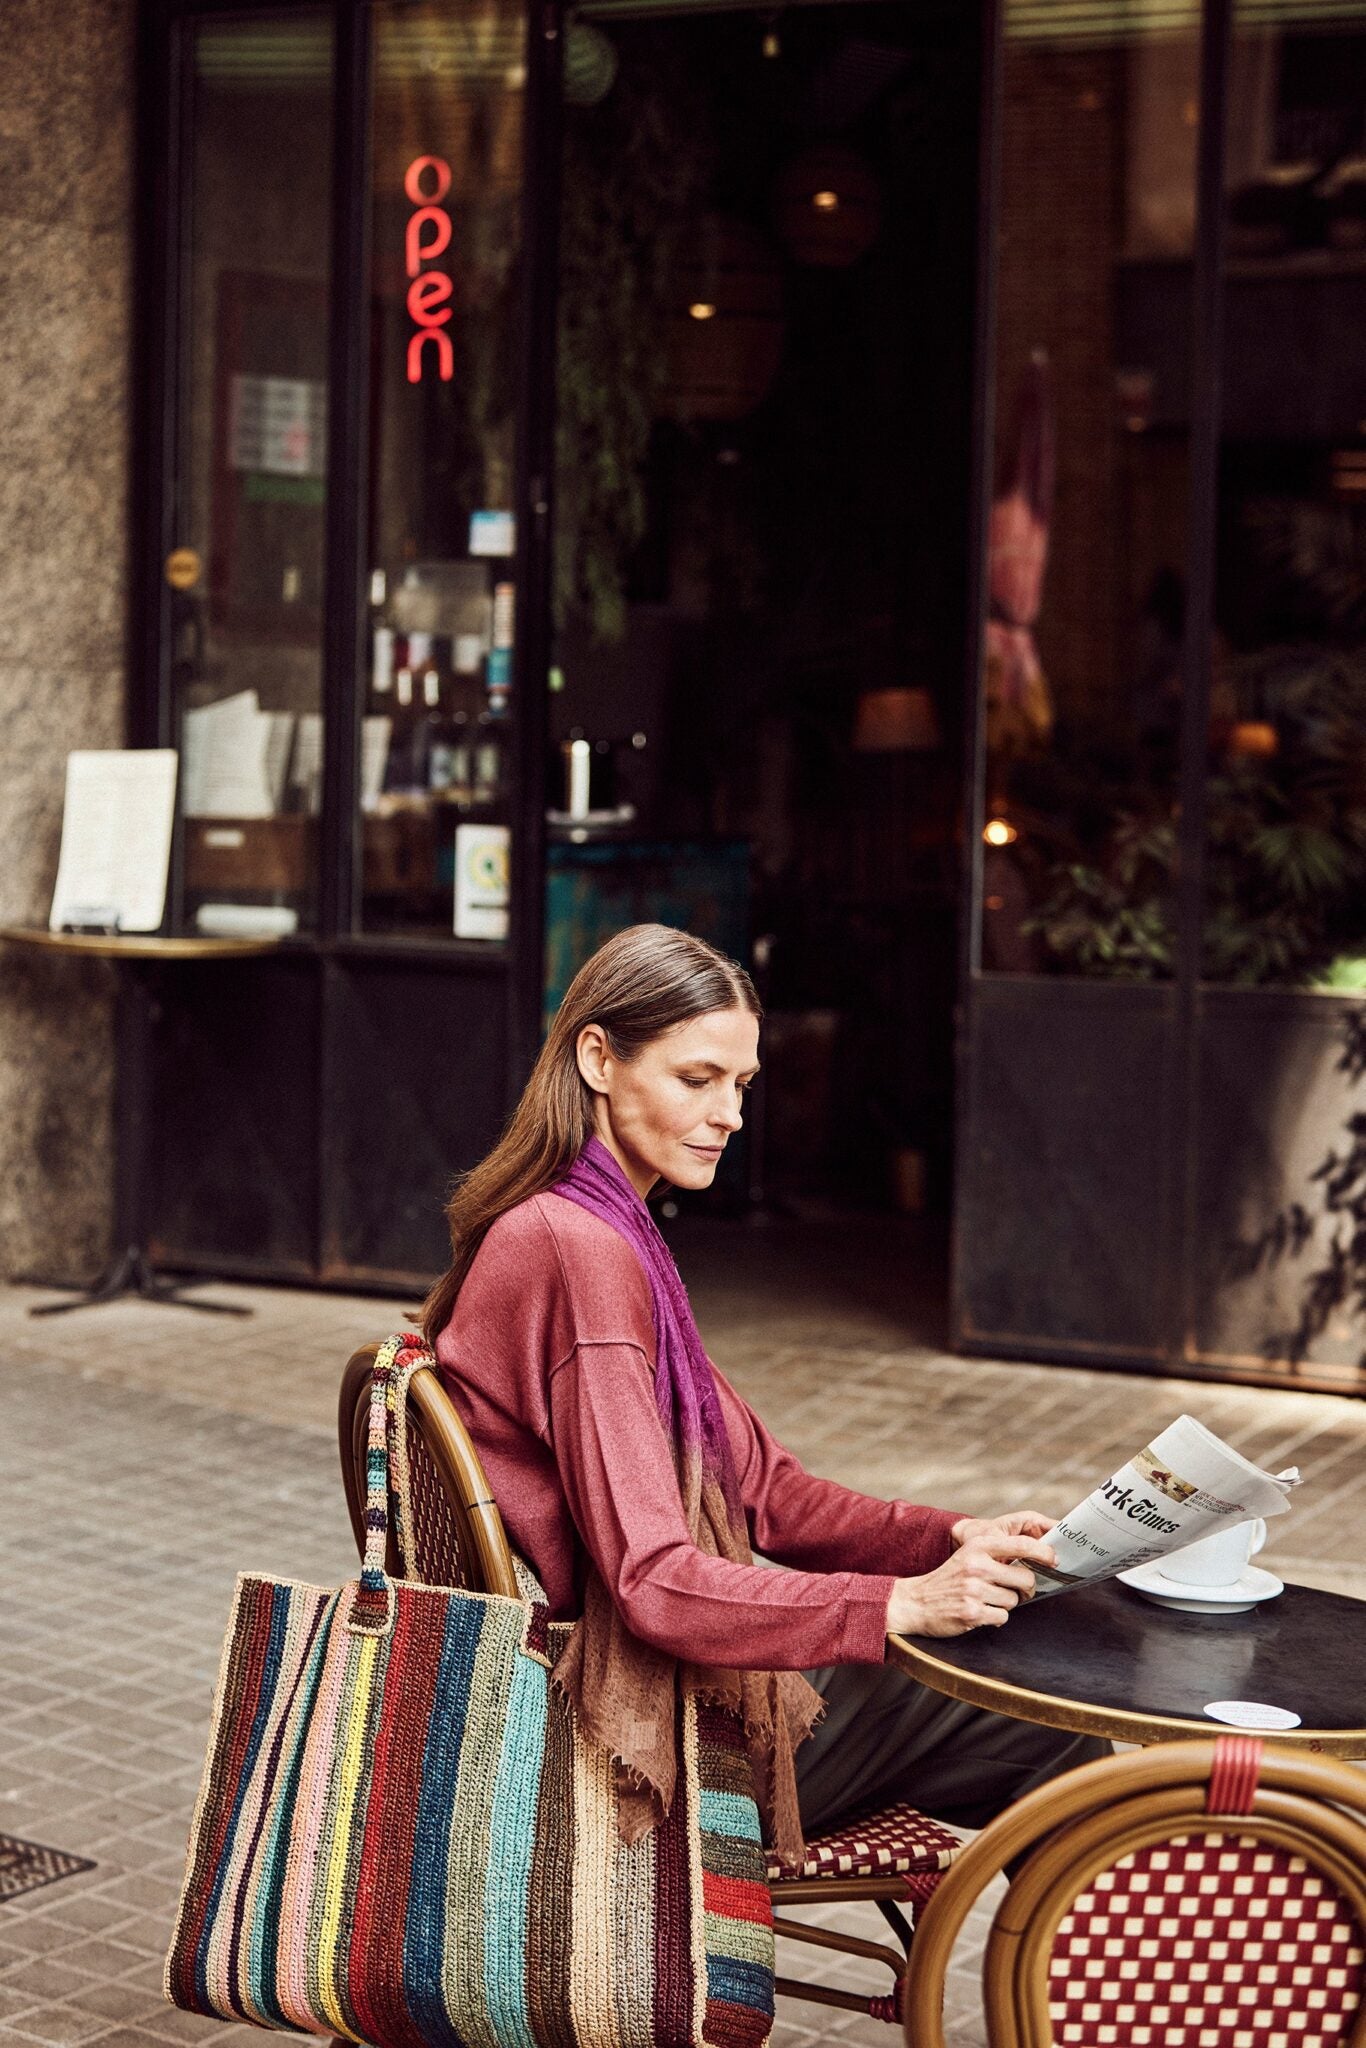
x=1251, y=1714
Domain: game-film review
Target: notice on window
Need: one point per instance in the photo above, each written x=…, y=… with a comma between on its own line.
x=277, y=426
x=116, y=840
x=481, y=881
x=493, y=533
x=235, y=758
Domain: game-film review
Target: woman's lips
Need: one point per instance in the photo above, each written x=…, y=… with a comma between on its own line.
x=706, y=1151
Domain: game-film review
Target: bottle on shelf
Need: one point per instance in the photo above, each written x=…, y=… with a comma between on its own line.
x=448, y=755
x=381, y=665
x=488, y=767
x=498, y=673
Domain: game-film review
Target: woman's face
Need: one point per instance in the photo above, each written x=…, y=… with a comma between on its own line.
x=668, y=1113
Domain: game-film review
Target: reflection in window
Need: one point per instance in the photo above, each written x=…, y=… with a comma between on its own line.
x=1287, y=794
x=1088, y=525
x=246, y=613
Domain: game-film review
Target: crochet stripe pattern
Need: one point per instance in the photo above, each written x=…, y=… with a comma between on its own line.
x=402, y=1838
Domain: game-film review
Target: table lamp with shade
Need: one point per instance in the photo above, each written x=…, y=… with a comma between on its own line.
x=896, y=721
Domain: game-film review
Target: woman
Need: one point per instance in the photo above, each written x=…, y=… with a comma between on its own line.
x=633, y=1478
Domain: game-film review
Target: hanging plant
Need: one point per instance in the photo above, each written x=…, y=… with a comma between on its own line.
x=636, y=168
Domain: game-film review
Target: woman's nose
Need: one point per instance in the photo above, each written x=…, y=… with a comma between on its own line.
x=727, y=1115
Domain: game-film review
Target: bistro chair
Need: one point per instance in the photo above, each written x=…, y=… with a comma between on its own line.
x=1193, y=1895
x=893, y=1858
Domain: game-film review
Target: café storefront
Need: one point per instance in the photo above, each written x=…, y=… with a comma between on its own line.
x=881, y=485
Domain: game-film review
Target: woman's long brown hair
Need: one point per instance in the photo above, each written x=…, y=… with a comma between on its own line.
x=640, y=984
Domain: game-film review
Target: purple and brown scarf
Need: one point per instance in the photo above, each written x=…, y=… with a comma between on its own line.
x=623, y=1690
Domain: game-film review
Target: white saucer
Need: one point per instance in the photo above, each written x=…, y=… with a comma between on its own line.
x=1249, y=1590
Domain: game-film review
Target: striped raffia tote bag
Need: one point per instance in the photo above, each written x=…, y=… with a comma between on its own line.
x=402, y=1837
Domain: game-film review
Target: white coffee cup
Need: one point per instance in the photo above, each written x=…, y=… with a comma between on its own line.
x=1217, y=1560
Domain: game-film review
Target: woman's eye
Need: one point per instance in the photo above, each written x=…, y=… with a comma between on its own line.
x=691, y=1081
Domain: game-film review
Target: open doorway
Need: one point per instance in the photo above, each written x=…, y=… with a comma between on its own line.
x=768, y=248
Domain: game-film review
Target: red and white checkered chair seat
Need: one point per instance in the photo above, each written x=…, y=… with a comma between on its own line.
x=895, y=1841
x=1207, y=1941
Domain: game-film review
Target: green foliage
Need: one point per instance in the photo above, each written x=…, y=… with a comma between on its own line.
x=1345, y=976
x=1285, y=858
x=1114, y=920
x=1317, y=551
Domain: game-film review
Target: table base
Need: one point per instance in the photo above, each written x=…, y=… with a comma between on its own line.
x=131, y=1273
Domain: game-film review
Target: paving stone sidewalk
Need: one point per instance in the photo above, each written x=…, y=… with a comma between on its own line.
x=150, y=1453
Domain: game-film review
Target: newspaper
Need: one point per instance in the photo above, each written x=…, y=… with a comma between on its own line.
x=1185, y=1484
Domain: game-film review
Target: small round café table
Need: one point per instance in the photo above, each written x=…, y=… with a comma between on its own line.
x=131, y=1271
x=1102, y=1660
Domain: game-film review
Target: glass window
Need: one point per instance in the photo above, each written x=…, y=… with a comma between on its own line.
x=247, y=574
x=447, y=155
x=1286, y=866
x=1086, y=573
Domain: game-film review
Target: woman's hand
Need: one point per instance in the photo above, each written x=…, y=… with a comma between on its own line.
x=986, y=1577
x=1024, y=1522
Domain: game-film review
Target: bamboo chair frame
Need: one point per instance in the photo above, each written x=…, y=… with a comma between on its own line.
x=483, y=1563
x=1080, y=1824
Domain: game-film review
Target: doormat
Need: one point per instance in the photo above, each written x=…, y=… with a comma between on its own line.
x=24, y=1866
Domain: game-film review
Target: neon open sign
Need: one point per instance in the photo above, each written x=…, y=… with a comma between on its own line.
x=426, y=181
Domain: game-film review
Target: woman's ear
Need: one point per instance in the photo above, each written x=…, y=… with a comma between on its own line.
x=592, y=1055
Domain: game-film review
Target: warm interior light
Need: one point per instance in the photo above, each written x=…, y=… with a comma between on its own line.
x=999, y=832
x=772, y=47
x=897, y=720
x=825, y=202
x=1255, y=737
x=702, y=310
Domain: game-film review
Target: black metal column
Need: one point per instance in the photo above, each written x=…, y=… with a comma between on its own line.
x=992, y=23
x=535, y=495
x=346, y=538
x=1205, y=391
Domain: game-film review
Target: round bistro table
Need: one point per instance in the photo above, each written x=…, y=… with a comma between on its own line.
x=1102, y=1660
x=131, y=1271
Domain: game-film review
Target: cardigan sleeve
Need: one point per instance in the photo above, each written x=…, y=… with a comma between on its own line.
x=617, y=1471
x=821, y=1526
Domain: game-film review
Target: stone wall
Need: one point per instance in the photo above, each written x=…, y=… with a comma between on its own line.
x=66, y=153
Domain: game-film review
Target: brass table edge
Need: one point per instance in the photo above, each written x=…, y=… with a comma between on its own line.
x=134, y=945
x=1121, y=1724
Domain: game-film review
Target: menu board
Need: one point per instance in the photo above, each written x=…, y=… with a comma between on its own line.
x=116, y=840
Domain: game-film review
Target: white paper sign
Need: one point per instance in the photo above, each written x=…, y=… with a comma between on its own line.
x=228, y=758
x=278, y=425
x=116, y=839
x=481, y=881
x=493, y=533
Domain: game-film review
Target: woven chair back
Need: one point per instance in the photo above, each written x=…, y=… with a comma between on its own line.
x=1142, y=1913
x=458, y=1533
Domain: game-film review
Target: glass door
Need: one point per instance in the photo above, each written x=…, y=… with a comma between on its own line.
x=436, y=782
x=1280, y=1170
x=1074, y=939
